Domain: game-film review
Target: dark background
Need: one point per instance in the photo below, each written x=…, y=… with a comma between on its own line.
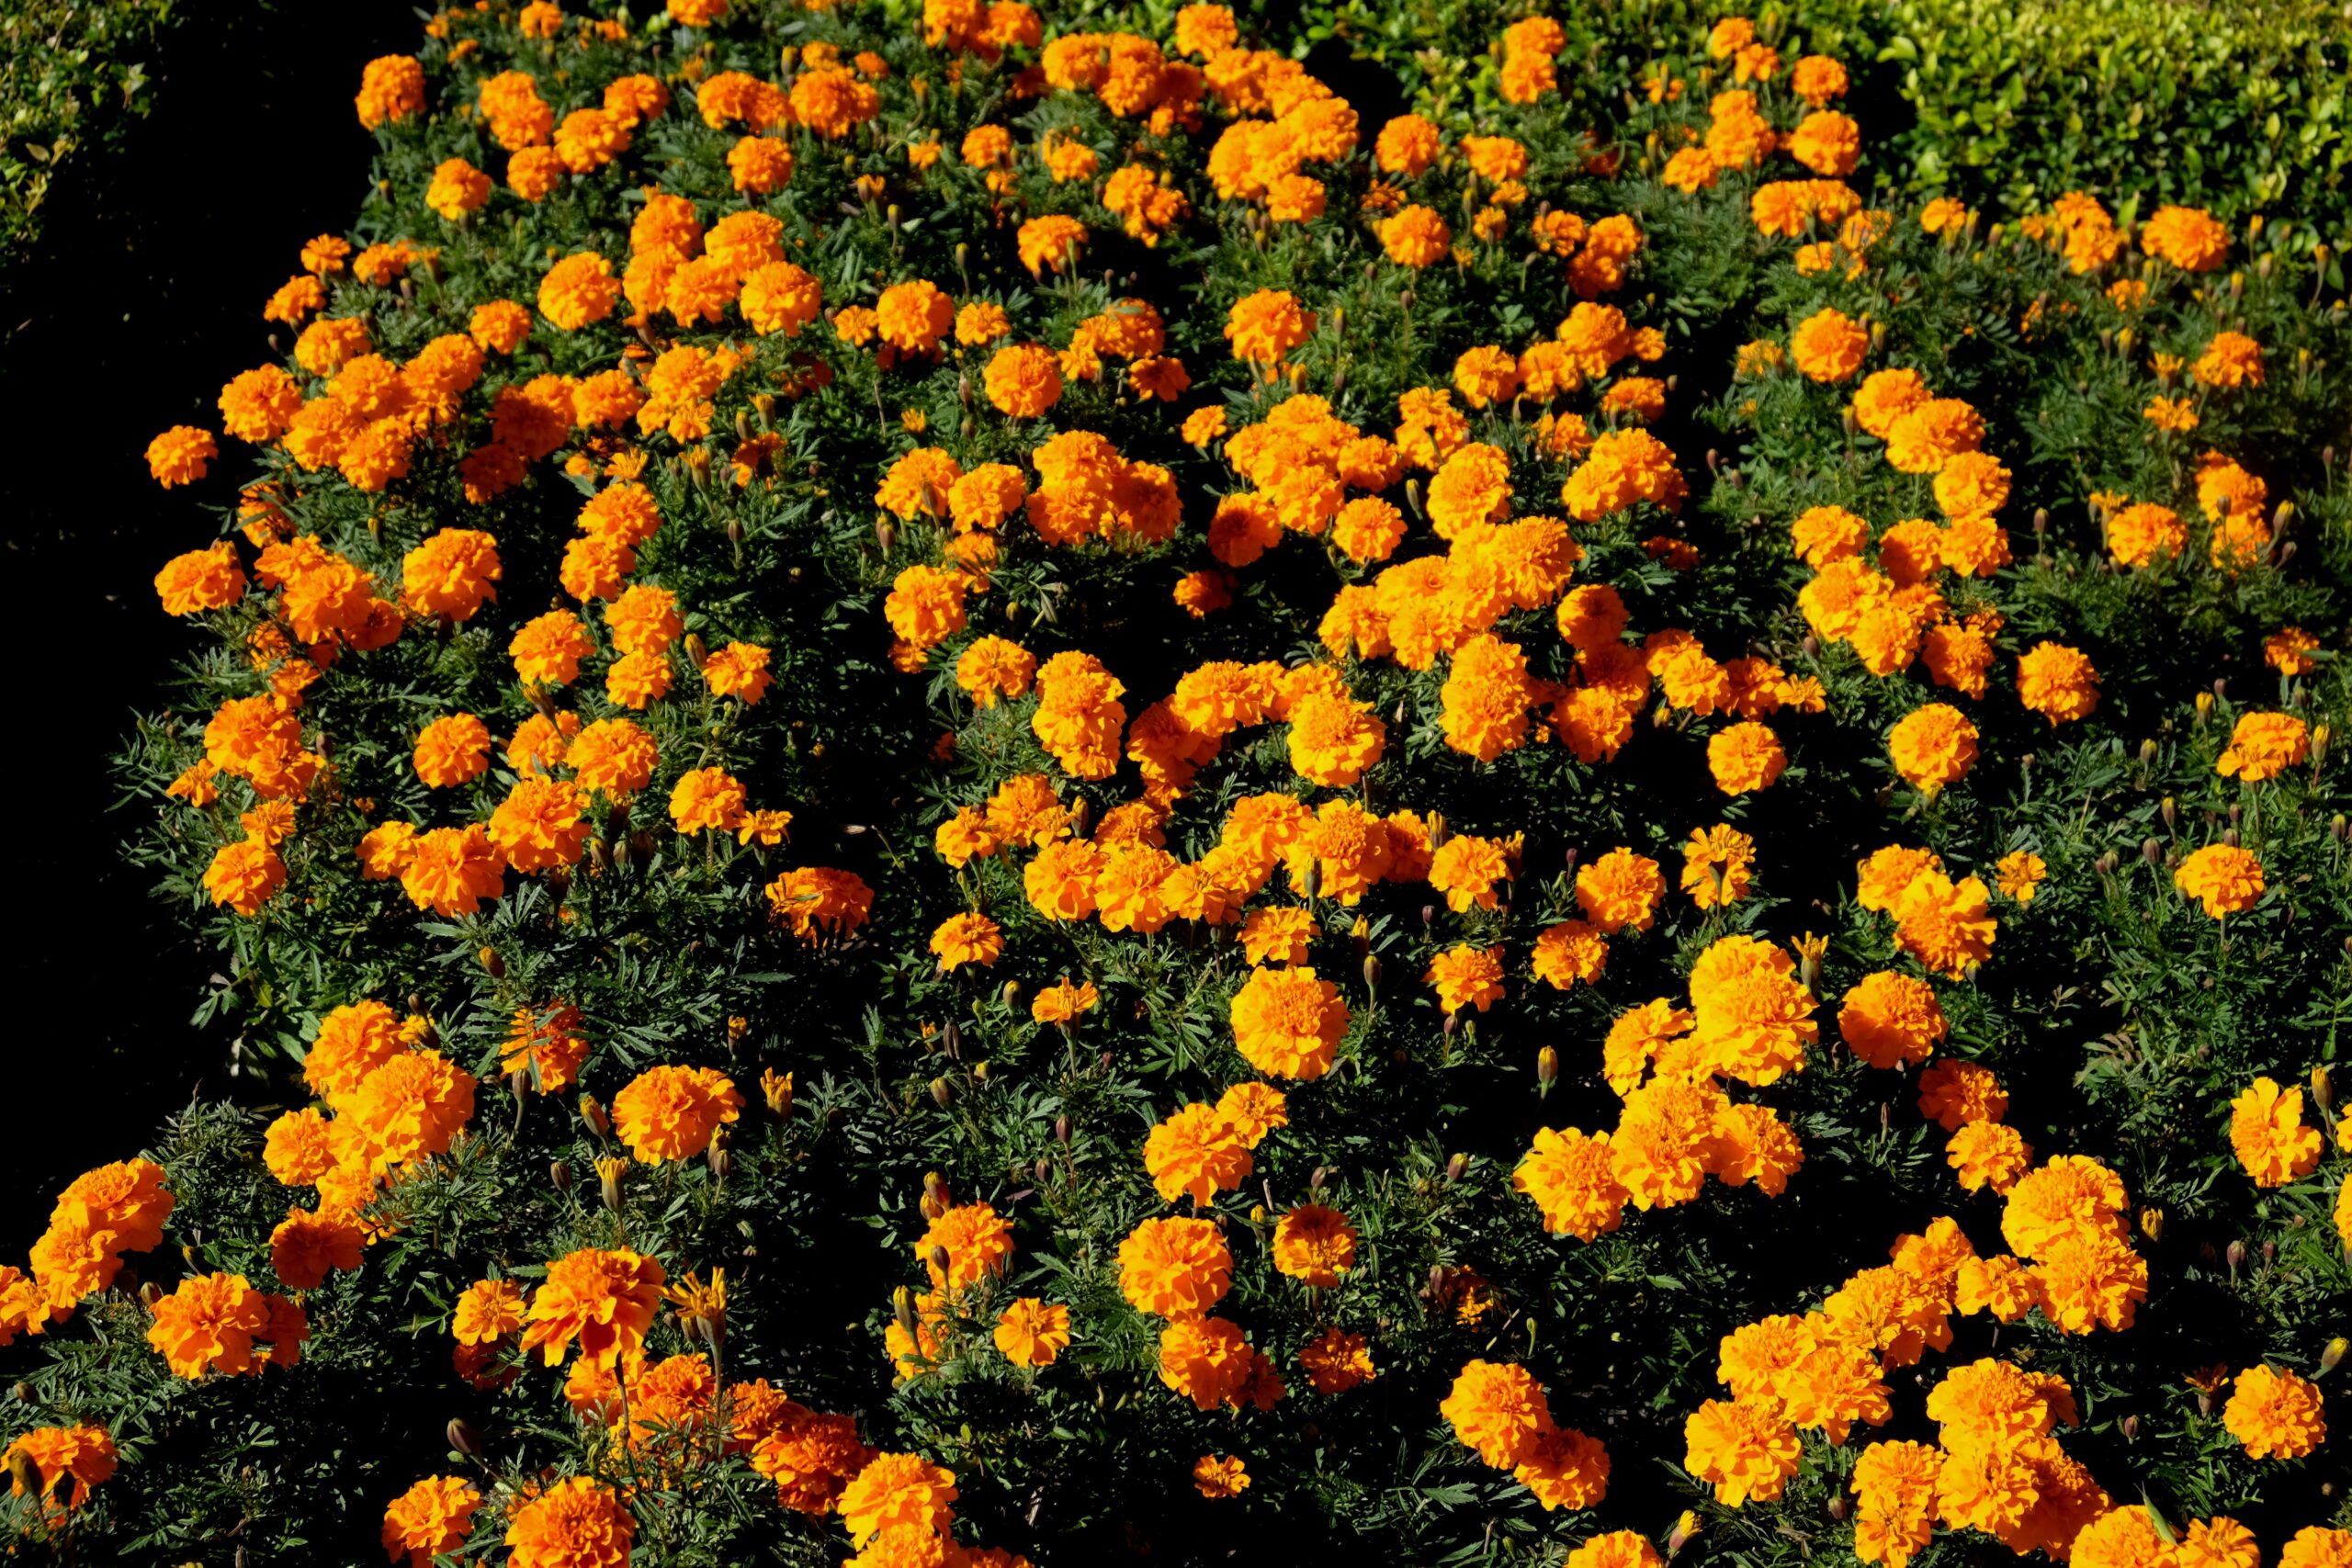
x=143, y=297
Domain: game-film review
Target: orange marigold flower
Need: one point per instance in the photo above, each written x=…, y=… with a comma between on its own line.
x=575, y=1523
x=1466, y=976
x=208, y=1323
x=1933, y=746
x=2224, y=878
x=432, y=1517
x=1288, y=1023
x=2275, y=1413
x=2267, y=1132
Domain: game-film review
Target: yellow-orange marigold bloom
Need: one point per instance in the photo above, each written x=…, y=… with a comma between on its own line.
x=1176, y=1268
x=1828, y=346
x=208, y=1323
x=1498, y=1409
x=1744, y=1451
x=1050, y=241
x=2268, y=1134
x=1744, y=757
x=1315, y=1244
x=181, y=455
x=305, y=1246
x=2188, y=237
x=2275, y=1413
x=1570, y=1179
x=1466, y=976
x=453, y=870
x=1945, y=924
x=84, y=1453
x=1033, y=1333
x=487, y=1311
x=2224, y=878
x=1288, y=1023
x=245, y=875
x=2058, y=682
x=670, y=1113
x=575, y=1523
x=1194, y=1154
x=578, y=290
x=966, y=939
x=2139, y=534
x=1933, y=746
x=1892, y=1020
x=2264, y=745
x=606, y=1300
x=432, y=1517
x=1023, y=380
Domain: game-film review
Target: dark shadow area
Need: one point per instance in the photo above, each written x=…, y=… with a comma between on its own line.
x=143, y=297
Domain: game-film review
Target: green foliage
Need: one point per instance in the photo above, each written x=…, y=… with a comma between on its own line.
x=72, y=78
x=2240, y=108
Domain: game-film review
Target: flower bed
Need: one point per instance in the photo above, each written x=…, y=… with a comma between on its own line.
x=977, y=796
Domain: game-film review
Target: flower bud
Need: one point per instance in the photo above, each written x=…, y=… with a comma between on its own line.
x=608, y=1182
x=1371, y=971
x=594, y=1114
x=1840, y=1508
x=463, y=1439
x=2235, y=1253
x=1547, y=1069
x=559, y=1176
x=2151, y=851
x=492, y=961
x=1684, y=1528
x=2169, y=811
x=2323, y=1089
x=1456, y=1167
x=903, y=1307
x=941, y=1093
x=1061, y=1131
x=2329, y=1358
x=1042, y=1171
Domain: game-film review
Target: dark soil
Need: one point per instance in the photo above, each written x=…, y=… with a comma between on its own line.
x=144, y=296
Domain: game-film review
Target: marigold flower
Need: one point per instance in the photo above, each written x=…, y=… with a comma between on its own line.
x=2058, y=682
x=1033, y=1333
x=2277, y=1414
x=1466, y=976
x=606, y=1300
x=432, y=1517
x=1988, y=1154
x=84, y=1453
x=1944, y=924
x=1933, y=746
x=2263, y=745
x=1498, y=1409
x=1746, y=756
x=210, y=1322
x=1892, y=1020
x=1176, y=1268
x=1287, y=1022
x=1315, y=1244
x=2223, y=878
x=575, y=1523
x=2268, y=1134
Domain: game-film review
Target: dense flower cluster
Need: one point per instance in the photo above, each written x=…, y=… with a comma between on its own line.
x=1224, y=722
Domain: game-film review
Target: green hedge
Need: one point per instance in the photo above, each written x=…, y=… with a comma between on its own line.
x=2239, y=106
x=72, y=75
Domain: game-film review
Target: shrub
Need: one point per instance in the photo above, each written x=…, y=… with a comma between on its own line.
x=1031, y=791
